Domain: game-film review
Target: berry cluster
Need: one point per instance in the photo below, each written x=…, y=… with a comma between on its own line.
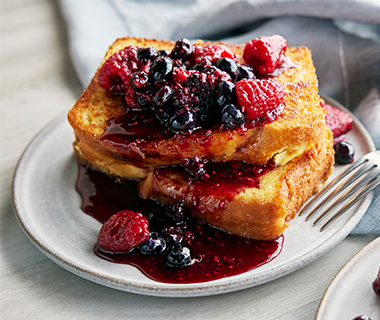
x=164, y=231
x=193, y=86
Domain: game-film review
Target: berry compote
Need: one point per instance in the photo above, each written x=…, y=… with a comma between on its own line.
x=209, y=253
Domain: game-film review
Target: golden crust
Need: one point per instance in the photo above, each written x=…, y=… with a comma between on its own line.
x=296, y=130
x=259, y=213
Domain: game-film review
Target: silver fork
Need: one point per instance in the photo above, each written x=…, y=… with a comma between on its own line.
x=360, y=178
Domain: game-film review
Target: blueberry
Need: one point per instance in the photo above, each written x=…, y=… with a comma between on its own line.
x=344, y=152
x=183, y=121
x=162, y=96
x=140, y=81
x=182, y=50
x=161, y=69
x=149, y=53
x=179, y=256
x=228, y=65
x=232, y=116
x=245, y=72
x=155, y=244
x=173, y=234
x=223, y=93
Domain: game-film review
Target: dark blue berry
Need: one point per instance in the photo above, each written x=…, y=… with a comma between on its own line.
x=224, y=93
x=228, y=65
x=140, y=81
x=161, y=69
x=162, y=96
x=232, y=116
x=173, y=234
x=183, y=50
x=179, y=256
x=149, y=53
x=183, y=121
x=344, y=152
x=245, y=72
x=155, y=244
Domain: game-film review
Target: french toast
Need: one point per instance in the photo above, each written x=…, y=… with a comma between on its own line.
x=238, y=170
x=261, y=211
x=296, y=130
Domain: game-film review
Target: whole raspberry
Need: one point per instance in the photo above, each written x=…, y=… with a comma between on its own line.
x=123, y=231
x=211, y=53
x=258, y=97
x=265, y=53
x=116, y=72
x=337, y=120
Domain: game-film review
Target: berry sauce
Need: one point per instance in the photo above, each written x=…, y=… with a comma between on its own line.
x=216, y=254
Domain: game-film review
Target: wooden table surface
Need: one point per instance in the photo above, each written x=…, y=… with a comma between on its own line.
x=37, y=84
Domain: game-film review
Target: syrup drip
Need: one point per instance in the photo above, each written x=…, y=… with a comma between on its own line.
x=216, y=254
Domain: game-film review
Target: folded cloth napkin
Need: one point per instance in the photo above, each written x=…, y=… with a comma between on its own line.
x=344, y=36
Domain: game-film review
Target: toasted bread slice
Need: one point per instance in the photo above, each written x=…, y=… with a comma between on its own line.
x=261, y=212
x=297, y=129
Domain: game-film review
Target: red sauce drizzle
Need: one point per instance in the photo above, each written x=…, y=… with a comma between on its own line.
x=217, y=254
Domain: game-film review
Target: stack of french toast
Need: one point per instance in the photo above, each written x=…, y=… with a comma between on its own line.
x=289, y=149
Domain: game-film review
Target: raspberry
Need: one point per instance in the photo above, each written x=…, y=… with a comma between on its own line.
x=123, y=231
x=265, y=53
x=211, y=53
x=116, y=72
x=258, y=97
x=337, y=120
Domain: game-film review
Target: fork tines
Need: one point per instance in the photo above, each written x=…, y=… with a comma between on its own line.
x=360, y=178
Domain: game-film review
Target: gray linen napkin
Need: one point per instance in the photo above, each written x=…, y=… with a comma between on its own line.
x=344, y=36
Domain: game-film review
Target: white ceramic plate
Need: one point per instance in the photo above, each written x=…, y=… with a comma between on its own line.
x=350, y=294
x=48, y=209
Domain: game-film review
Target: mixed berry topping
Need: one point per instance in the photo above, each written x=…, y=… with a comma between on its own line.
x=344, y=152
x=123, y=231
x=195, y=86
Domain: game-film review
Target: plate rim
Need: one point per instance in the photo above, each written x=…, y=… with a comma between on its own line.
x=320, y=314
x=169, y=290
